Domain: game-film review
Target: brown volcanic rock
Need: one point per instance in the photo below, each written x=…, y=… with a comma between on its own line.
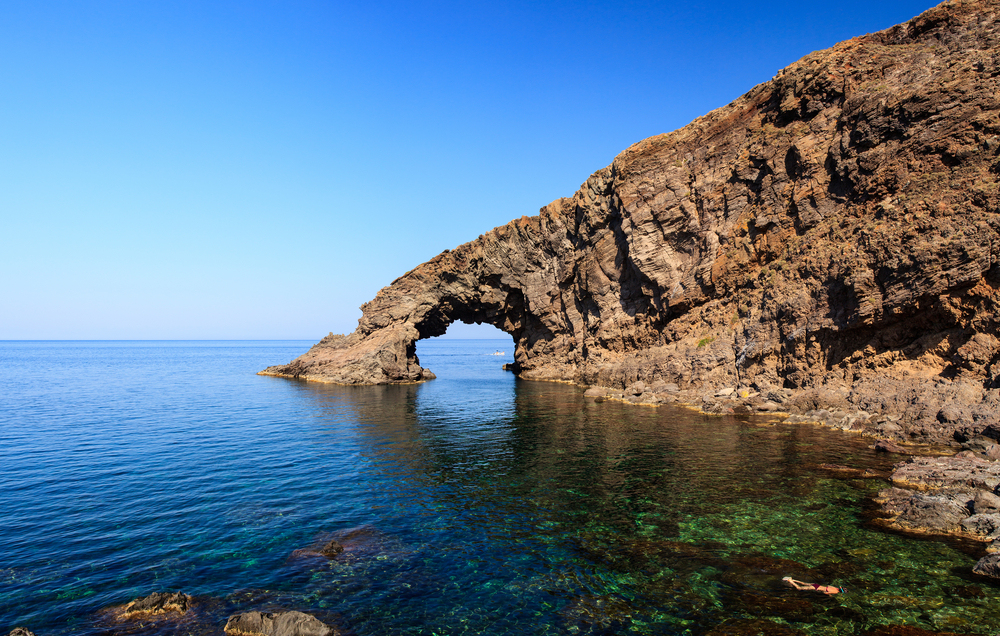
x=156, y=604
x=277, y=624
x=835, y=227
x=948, y=496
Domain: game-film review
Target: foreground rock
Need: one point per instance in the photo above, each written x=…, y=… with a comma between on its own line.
x=834, y=230
x=277, y=624
x=20, y=631
x=948, y=495
x=156, y=604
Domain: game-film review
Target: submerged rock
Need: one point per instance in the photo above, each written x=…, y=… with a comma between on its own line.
x=796, y=609
x=332, y=548
x=753, y=627
x=606, y=614
x=854, y=473
x=907, y=630
x=277, y=624
x=355, y=543
x=885, y=446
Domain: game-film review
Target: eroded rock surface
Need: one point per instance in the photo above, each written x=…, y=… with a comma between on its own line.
x=156, y=604
x=835, y=230
x=948, y=495
x=277, y=624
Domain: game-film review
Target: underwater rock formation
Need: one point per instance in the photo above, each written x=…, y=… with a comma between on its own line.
x=835, y=230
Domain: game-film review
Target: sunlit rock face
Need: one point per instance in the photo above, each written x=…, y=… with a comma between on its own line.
x=835, y=227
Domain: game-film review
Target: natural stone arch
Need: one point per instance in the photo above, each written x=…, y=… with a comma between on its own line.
x=505, y=279
x=818, y=232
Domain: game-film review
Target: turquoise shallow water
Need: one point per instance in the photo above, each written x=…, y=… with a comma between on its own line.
x=472, y=504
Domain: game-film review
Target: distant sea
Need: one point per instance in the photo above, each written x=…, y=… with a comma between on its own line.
x=472, y=504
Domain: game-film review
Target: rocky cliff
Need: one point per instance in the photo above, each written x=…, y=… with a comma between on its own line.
x=827, y=241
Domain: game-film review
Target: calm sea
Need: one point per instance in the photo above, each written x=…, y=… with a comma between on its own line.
x=472, y=504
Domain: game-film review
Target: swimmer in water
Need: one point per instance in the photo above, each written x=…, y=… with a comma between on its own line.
x=815, y=587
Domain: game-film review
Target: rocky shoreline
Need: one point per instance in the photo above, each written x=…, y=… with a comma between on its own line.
x=937, y=491
x=943, y=422
x=948, y=496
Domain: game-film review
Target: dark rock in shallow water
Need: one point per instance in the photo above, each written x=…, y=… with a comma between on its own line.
x=798, y=610
x=753, y=627
x=760, y=571
x=332, y=548
x=885, y=446
x=906, y=630
x=966, y=591
x=763, y=564
x=989, y=566
x=842, y=613
x=630, y=555
x=155, y=604
x=836, y=570
x=363, y=542
x=604, y=614
x=277, y=624
x=854, y=473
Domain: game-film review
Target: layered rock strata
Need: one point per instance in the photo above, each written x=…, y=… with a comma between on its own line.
x=834, y=230
x=955, y=496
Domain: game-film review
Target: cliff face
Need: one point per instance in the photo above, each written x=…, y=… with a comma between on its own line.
x=834, y=230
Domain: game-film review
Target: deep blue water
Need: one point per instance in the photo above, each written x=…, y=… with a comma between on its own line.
x=472, y=504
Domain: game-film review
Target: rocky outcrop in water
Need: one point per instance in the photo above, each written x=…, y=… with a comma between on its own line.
x=155, y=604
x=955, y=496
x=277, y=624
x=833, y=230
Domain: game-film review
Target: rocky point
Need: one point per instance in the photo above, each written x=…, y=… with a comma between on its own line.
x=827, y=243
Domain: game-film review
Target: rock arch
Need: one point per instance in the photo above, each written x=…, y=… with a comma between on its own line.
x=508, y=278
x=836, y=226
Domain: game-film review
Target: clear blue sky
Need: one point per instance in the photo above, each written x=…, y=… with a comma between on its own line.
x=260, y=169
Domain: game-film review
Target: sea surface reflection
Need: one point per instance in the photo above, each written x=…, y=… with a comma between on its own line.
x=475, y=503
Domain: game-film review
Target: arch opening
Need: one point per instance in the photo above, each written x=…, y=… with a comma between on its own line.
x=467, y=352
